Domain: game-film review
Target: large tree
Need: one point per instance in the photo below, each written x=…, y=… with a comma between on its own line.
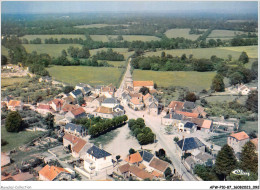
x=252, y=101
x=243, y=57
x=49, y=120
x=3, y=60
x=225, y=161
x=249, y=160
x=144, y=90
x=218, y=83
x=191, y=97
x=236, y=78
x=13, y=122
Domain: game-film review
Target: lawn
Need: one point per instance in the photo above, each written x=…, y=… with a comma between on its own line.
x=219, y=140
x=249, y=126
x=175, y=33
x=54, y=50
x=4, y=51
x=94, y=26
x=106, y=138
x=17, y=139
x=123, y=51
x=5, y=82
x=196, y=81
x=91, y=75
x=225, y=34
x=221, y=52
x=130, y=38
x=58, y=36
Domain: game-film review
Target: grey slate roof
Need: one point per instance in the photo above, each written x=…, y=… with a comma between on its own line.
x=189, y=125
x=119, y=106
x=147, y=156
x=110, y=101
x=174, y=116
x=153, y=105
x=188, y=105
x=86, y=89
x=204, y=157
x=74, y=127
x=190, y=143
x=97, y=152
x=76, y=92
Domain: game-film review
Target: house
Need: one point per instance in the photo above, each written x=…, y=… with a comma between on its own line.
x=88, y=101
x=140, y=84
x=203, y=124
x=69, y=100
x=98, y=160
x=107, y=91
x=76, y=93
x=175, y=105
x=119, y=109
x=56, y=104
x=159, y=165
x=76, y=113
x=126, y=97
x=203, y=158
x=237, y=141
x=5, y=160
x=147, y=99
x=75, y=129
x=123, y=170
x=44, y=109
x=53, y=173
x=255, y=142
x=85, y=89
x=110, y=102
x=97, y=89
x=243, y=89
x=146, y=157
x=69, y=107
x=153, y=108
x=190, y=163
x=104, y=112
x=189, y=127
x=136, y=104
x=139, y=173
x=188, y=106
x=187, y=114
x=172, y=119
x=135, y=158
x=190, y=145
x=98, y=101
x=15, y=105
x=200, y=110
x=77, y=145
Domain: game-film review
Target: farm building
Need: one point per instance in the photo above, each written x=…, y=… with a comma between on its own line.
x=53, y=173
x=237, y=141
x=140, y=84
x=190, y=145
x=75, y=129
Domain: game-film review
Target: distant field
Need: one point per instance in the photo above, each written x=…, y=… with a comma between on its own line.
x=123, y=51
x=117, y=63
x=58, y=36
x=225, y=33
x=5, y=82
x=4, y=51
x=91, y=75
x=94, y=26
x=215, y=99
x=196, y=81
x=130, y=38
x=17, y=139
x=249, y=126
x=174, y=33
x=221, y=52
x=54, y=50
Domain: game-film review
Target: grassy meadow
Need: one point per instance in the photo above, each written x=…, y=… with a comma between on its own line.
x=91, y=75
x=175, y=33
x=221, y=52
x=5, y=82
x=249, y=126
x=130, y=38
x=117, y=63
x=94, y=26
x=215, y=99
x=58, y=36
x=196, y=81
x=224, y=33
x=17, y=139
x=4, y=51
x=54, y=50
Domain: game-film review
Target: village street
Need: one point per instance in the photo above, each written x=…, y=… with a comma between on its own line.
x=154, y=123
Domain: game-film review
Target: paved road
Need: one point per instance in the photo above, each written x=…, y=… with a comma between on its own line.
x=155, y=124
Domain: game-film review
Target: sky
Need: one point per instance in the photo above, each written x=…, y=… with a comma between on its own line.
x=43, y=7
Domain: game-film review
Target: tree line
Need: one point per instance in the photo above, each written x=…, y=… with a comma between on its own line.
x=143, y=134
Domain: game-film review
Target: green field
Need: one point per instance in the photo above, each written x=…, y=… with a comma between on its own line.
x=196, y=81
x=117, y=63
x=54, y=50
x=175, y=33
x=219, y=140
x=130, y=38
x=123, y=51
x=91, y=75
x=4, y=51
x=225, y=34
x=215, y=99
x=5, y=82
x=94, y=26
x=249, y=126
x=17, y=139
x=221, y=52
x=58, y=36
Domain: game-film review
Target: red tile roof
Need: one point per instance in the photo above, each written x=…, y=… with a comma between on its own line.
x=157, y=174
x=142, y=83
x=58, y=102
x=188, y=114
x=136, y=101
x=50, y=172
x=22, y=176
x=176, y=105
x=105, y=110
x=124, y=168
x=159, y=164
x=240, y=136
x=14, y=103
x=134, y=158
x=80, y=144
x=206, y=124
x=77, y=111
x=73, y=139
x=69, y=107
x=147, y=96
x=140, y=173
